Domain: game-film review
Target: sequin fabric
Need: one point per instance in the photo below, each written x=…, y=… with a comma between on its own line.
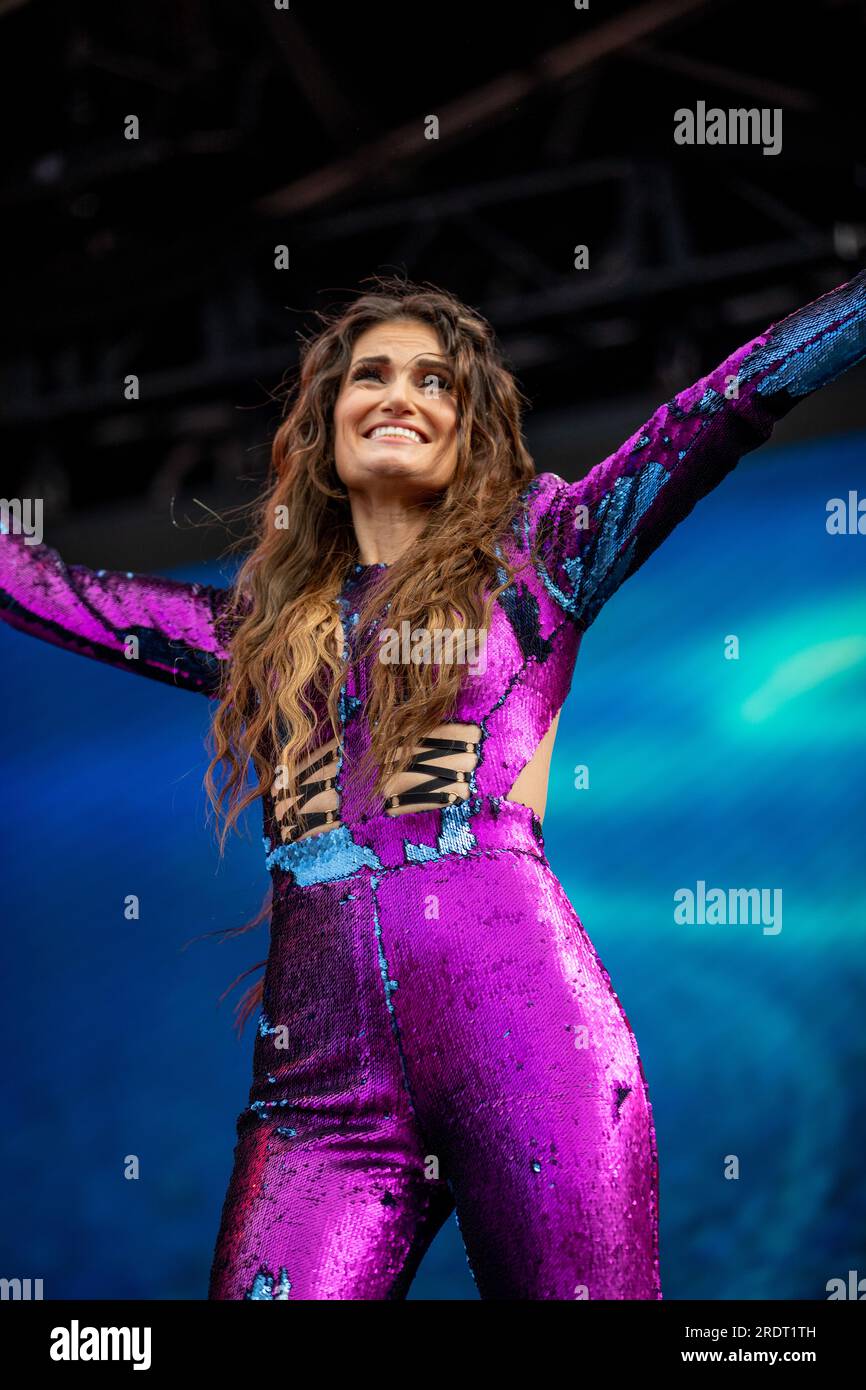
x=173, y=632
x=437, y=1031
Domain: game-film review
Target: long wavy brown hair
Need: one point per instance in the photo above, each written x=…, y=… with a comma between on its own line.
x=287, y=655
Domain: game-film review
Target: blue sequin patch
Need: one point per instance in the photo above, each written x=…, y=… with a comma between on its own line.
x=322, y=858
x=455, y=836
x=813, y=347
x=419, y=854
x=264, y=1286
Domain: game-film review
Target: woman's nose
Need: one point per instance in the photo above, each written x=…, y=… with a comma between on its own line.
x=397, y=392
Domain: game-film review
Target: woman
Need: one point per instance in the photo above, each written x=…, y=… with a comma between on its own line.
x=436, y=1030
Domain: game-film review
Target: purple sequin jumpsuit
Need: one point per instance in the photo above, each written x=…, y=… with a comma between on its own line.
x=437, y=1031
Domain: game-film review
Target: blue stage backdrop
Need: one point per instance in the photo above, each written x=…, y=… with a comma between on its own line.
x=745, y=773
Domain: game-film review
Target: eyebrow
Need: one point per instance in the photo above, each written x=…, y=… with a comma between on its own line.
x=383, y=360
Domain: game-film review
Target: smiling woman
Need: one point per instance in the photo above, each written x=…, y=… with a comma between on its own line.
x=437, y=1031
x=396, y=440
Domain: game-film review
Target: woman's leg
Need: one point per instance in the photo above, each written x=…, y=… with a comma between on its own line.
x=331, y=1195
x=527, y=1077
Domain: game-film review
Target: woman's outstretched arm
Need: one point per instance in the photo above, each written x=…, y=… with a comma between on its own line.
x=593, y=534
x=162, y=628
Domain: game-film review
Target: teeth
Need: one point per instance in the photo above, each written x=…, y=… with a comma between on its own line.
x=383, y=431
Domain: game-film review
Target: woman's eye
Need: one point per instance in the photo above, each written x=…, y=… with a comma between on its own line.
x=368, y=371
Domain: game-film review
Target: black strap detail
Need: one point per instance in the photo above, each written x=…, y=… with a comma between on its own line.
x=310, y=819
x=440, y=777
x=308, y=790
x=421, y=794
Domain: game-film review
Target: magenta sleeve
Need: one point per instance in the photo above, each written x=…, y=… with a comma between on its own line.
x=593, y=534
x=180, y=629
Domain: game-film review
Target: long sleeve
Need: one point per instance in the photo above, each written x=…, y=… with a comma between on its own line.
x=593, y=534
x=179, y=628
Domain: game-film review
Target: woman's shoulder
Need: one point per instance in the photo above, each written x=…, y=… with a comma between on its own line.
x=540, y=491
x=537, y=499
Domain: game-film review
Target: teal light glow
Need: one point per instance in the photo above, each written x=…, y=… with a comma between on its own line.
x=804, y=671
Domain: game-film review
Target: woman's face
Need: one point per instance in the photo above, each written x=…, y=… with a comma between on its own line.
x=409, y=383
